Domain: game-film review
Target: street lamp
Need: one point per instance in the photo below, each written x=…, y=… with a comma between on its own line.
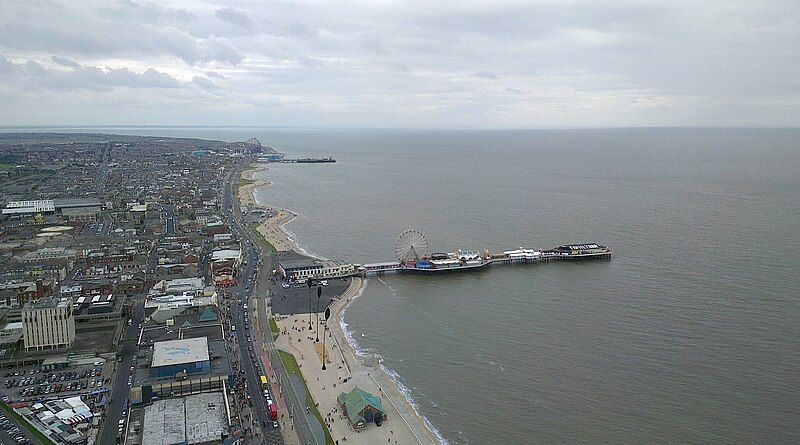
x=316, y=313
x=309, y=303
x=325, y=329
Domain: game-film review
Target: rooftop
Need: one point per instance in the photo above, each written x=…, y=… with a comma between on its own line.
x=199, y=418
x=299, y=264
x=180, y=285
x=227, y=254
x=75, y=202
x=177, y=352
x=356, y=400
x=45, y=303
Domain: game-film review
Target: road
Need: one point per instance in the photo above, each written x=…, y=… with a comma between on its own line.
x=169, y=219
x=242, y=291
x=119, y=390
x=102, y=171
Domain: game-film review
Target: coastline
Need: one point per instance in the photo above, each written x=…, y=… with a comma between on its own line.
x=389, y=384
x=366, y=372
x=271, y=228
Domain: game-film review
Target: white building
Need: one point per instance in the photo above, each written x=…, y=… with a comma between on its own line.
x=29, y=207
x=48, y=323
x=180, y=286
x=304, y=269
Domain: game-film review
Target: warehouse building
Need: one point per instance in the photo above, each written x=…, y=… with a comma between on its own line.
x=194, y=419
x=68, y=206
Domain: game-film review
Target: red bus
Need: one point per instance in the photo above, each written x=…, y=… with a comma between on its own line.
x=273, y=411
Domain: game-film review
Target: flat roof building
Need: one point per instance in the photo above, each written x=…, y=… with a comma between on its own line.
x=198, y=418
x=181, y=285
x=174, y=356
x=29, y=207
x=75, y=203
x=226, y=254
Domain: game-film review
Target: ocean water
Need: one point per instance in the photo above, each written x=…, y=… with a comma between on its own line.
x=690, y=334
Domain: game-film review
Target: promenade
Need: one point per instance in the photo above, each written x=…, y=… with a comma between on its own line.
x=344, y=372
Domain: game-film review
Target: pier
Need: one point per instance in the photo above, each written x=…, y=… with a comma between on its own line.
x=327, y=160
x=413, y=257
x=458, y=262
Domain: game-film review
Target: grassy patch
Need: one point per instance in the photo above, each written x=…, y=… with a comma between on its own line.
x=291, y=367
x=6, y=166
x=242, y=182
x=24, y=423
x=263, y=240
x=273, y=326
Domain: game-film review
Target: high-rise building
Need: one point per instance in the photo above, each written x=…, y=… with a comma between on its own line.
x=48, y=323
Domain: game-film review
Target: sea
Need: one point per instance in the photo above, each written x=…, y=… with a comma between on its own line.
x=689, y=334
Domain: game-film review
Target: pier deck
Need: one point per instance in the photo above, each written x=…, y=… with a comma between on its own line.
x=534, y=256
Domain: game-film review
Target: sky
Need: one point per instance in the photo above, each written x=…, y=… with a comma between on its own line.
x=490, y=64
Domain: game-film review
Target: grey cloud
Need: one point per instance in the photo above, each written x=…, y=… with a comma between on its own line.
x=81, y=77
x=630, y=62
x=485, y=74
x=202, y=82
x=234, y=16
x=118, y=29
x=65, y=62
x=216, y=49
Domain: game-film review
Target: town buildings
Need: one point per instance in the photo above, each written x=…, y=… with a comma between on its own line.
x=91, y=227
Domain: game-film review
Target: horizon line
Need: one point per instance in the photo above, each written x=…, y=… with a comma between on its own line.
x=288, y=127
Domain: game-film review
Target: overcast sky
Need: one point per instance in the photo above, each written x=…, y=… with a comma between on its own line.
x=400, y=64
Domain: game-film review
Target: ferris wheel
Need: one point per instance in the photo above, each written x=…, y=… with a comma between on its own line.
x=411, y=245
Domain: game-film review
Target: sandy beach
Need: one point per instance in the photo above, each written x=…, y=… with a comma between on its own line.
x=345, y=369
x=270, y=228
x=246, y=197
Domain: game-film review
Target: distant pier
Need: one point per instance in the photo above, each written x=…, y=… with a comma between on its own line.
x=307, y=161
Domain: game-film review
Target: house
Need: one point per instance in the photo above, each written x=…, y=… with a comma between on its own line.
x=361, y=408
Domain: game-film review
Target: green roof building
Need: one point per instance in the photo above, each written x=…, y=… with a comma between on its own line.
x=361, y=408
